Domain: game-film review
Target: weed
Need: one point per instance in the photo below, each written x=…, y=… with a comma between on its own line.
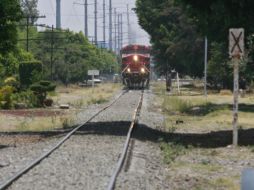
x=171, y=151
x=67, y=122
x=175, y=104
x=99, y=100
x=23, y=125
x=79, y=103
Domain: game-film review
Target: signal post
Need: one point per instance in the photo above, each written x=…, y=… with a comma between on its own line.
x=236, y=52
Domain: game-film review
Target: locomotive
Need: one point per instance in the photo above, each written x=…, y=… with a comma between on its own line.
x=136, y=66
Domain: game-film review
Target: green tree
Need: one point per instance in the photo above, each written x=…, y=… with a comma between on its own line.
x=176, y=44
x=10, y=14
x=214, y=18
x=29, y=8
x=72, y=54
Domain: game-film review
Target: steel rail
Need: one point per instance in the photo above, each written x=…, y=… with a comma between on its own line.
x=8, y=182
x=121, y=160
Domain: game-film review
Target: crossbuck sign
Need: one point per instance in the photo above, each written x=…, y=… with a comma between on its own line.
x=236, y=42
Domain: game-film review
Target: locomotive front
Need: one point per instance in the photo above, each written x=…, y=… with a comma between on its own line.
x=136, y=66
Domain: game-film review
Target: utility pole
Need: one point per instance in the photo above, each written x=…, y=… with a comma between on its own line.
x=104, y=22
x=110, y=24
x=58, y=14
x=85, y=4
x=205, y=72
x=27, y=34
x=27, y=29
x=118, y=33
x=128, y=24
x=86, y=18
x=115, y=22
x=121, y=31
x=95, y=22
x=51, y=52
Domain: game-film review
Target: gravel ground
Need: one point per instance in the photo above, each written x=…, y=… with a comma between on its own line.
x=86, y=160
x=16, y=155
x=144, y=168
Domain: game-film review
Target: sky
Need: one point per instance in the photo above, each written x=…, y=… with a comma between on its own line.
x=73, y=17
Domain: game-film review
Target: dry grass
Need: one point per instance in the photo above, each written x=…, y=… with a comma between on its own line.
x=78, y=98
x=201, y=130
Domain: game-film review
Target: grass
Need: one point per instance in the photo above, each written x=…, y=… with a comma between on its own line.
x=207, y=161
x=78, y=98
x=172, y=151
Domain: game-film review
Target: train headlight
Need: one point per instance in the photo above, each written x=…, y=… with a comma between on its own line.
x=143, y=70
x=128, y=70
x=135, y=58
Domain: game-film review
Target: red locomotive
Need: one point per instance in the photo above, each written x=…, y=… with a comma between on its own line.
x=136, y=66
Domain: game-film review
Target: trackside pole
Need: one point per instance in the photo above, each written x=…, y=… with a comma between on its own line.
x=93, y=81
x=236, y=101
x=205, y=69
x=236, y=52
x=178, y=83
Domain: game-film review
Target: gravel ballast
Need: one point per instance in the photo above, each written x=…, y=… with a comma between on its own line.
x=87, y=160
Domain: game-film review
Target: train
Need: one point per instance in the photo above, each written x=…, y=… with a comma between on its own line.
x=136, y=66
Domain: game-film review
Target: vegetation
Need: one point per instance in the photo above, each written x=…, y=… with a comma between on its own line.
x=29, y=72
x=177, y=28
x=198, y=135
x=10, y=14
x=53, y=55
x=174, y=38
x=40, y=89
x=48, y=119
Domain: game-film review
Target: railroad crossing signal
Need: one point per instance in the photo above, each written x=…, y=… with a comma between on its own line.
x=236, y=42
x=236, y=52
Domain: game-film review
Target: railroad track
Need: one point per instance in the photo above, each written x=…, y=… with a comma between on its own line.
x=118, y=168
x=126, y=145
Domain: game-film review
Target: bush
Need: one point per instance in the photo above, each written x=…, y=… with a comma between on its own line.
x=30, y=72
x=25, y=97
x=40, y=90
x=5, y=97
x=12, y=81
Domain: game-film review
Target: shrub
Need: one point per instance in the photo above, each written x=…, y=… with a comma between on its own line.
x=5, y=96
x=30, y=72
x=40, y=89
x=11, y=81
x=25, y=97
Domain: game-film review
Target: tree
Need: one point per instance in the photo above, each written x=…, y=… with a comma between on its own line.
x=29, y=8
x=214, y=18
x=10, y=14
x=176, y=44
x=72, y=56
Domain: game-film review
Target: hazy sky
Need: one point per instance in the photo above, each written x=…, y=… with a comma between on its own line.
x=73, y=17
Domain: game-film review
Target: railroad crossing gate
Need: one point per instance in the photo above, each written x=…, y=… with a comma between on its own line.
x=236, y=42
